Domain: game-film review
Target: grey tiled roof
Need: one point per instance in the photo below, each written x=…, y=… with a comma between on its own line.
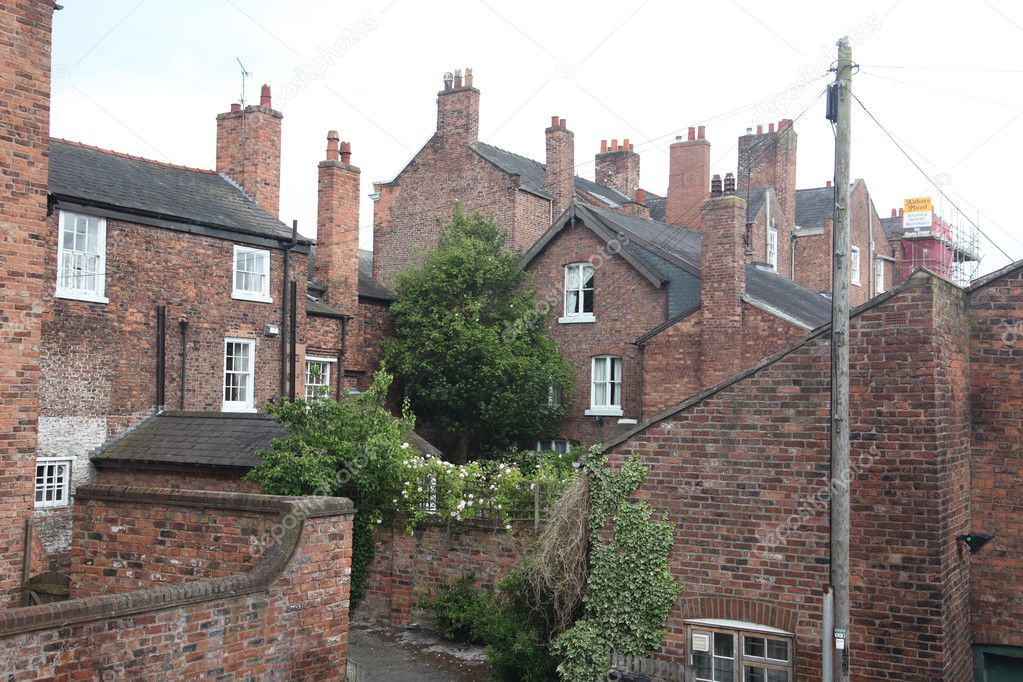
x=204, y=440
x=787, y=297
x=134, y=185
x=533, y=173
x=892, y=227
x=317, y=307
x=368, y=286
x=814, y=205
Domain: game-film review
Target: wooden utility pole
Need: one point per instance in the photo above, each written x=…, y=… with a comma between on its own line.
x=840, y=469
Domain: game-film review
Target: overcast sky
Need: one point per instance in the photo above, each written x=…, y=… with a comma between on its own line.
x=149, y=77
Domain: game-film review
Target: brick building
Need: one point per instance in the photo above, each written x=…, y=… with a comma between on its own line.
x=178, y=288
x=742, y=470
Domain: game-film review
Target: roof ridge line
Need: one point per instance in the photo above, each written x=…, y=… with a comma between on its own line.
x=125, y=155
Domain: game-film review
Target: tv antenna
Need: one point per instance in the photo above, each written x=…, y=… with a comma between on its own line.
x=245, y=74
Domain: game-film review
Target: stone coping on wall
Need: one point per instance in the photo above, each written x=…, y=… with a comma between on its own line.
x=259, y=579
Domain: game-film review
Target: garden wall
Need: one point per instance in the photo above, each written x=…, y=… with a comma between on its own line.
x=406, y=566
x=191, y=584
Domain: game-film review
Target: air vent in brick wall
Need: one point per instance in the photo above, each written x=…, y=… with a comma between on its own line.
x=894, y=319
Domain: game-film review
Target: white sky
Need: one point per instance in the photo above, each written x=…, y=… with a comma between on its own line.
x=149, y=77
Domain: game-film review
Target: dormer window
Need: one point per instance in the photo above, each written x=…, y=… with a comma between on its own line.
x=251, y=274
x=578, y=293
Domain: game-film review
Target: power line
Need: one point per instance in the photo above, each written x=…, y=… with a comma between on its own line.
x=923, y=173
x=942, y=90
x=965, y=69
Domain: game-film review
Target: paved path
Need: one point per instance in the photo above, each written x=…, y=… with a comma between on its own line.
x=381, y=655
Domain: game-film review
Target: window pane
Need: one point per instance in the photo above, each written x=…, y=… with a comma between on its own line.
x=572, y=277
x=701, y=662
x=587, y=277
x=600, y=394
x=588, y=301
x=724, y=669
x=778, y=649
x=754, y=674
x=572, y=303
x=723, y=644
x=777, y=676
x=755, y=646
x=616, y=369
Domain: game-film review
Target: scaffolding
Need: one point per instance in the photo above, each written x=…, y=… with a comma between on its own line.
x=948, y=248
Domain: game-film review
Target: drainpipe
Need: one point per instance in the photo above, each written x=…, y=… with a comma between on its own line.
x=294, y=323
x=284, y=306
x=342, y=356
x=161, y=359
x=870, y=236
x=183, y=323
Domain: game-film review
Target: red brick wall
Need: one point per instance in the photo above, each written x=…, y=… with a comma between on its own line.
x=813, y=260
x=183, y=480
x=996, y=472
x=560, y=166
x=406, y=567
x=722, y=285
x=616, y=326
x=249, y=151
x=771, y=212
x=25, y=29
x=688, y=180
x=337, y=226
x=374, y=324
x=286, y=618
x=738, y=473
x=618, y=169
x=769, y=160
x=672, y=364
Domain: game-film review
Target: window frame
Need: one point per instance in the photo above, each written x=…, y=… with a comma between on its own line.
x=550, y=445
x=854, y=272
x=579, y=315
x=248, y=405
x=321, y=360
x=772, y=247
x=609, y=409
x=97, y=295
x=879, y=287
x=65, y=486
x=263, y=296
x=739, y=634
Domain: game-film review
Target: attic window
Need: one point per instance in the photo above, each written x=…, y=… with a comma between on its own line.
x=578, y=293
x=251, y=274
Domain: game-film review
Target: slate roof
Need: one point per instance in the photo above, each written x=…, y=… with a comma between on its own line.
x=673, y=255
x=204, y=440
x=892, y=227
x=533, y=173
x=131, y=184
x=314, y=306
x=656, y=205
x=368, y=286
x=814, y=205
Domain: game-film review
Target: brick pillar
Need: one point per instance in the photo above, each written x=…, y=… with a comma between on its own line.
x=560, y=178
x=688, y=176
x=403, y=552
x=769, y=160
x=26, y=29
x=337, y=225
x=249, y=150
x=458, y=109
x=722, y=284
x=617, y=167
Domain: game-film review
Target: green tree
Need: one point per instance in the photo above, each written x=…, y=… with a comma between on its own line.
x=470, y=346
x=354, y=448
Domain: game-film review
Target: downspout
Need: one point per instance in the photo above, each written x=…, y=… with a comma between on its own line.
x=294, y=323
x=284, y=306
x=183, y=323
x=870, y=235
x=642, y=381
x=342, y=356
x=161, y=359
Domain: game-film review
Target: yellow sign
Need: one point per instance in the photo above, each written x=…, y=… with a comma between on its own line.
x=919, y=205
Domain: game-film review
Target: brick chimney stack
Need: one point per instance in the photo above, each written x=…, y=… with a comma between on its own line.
x=688, y=175
x=560, y=179
x=722, y=282
x=249, y=150
x=618, y=168
x=769, y=160
x=337, y=225
x=458, y=108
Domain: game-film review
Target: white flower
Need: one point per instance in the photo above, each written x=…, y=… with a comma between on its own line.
x=508, y=527
x=404, y=446
x=498, y=506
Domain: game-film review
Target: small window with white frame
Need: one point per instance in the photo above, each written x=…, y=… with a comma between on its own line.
x=578, y=293
x=726, y=651
x=772, y=248
x=53, y=482
x=82, y=257
x=878, y=275
x=605, y=386
x=317, y=377
x=239, y=366
x=854, y=265
x=554, y=445
x=251, y=274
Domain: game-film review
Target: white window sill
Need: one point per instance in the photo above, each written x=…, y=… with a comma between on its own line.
x=247, y=296
x=576, y=319
x=627, y=421
x=856, y=284
x=604, y=412
x=238, y=408
x=81, y=296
